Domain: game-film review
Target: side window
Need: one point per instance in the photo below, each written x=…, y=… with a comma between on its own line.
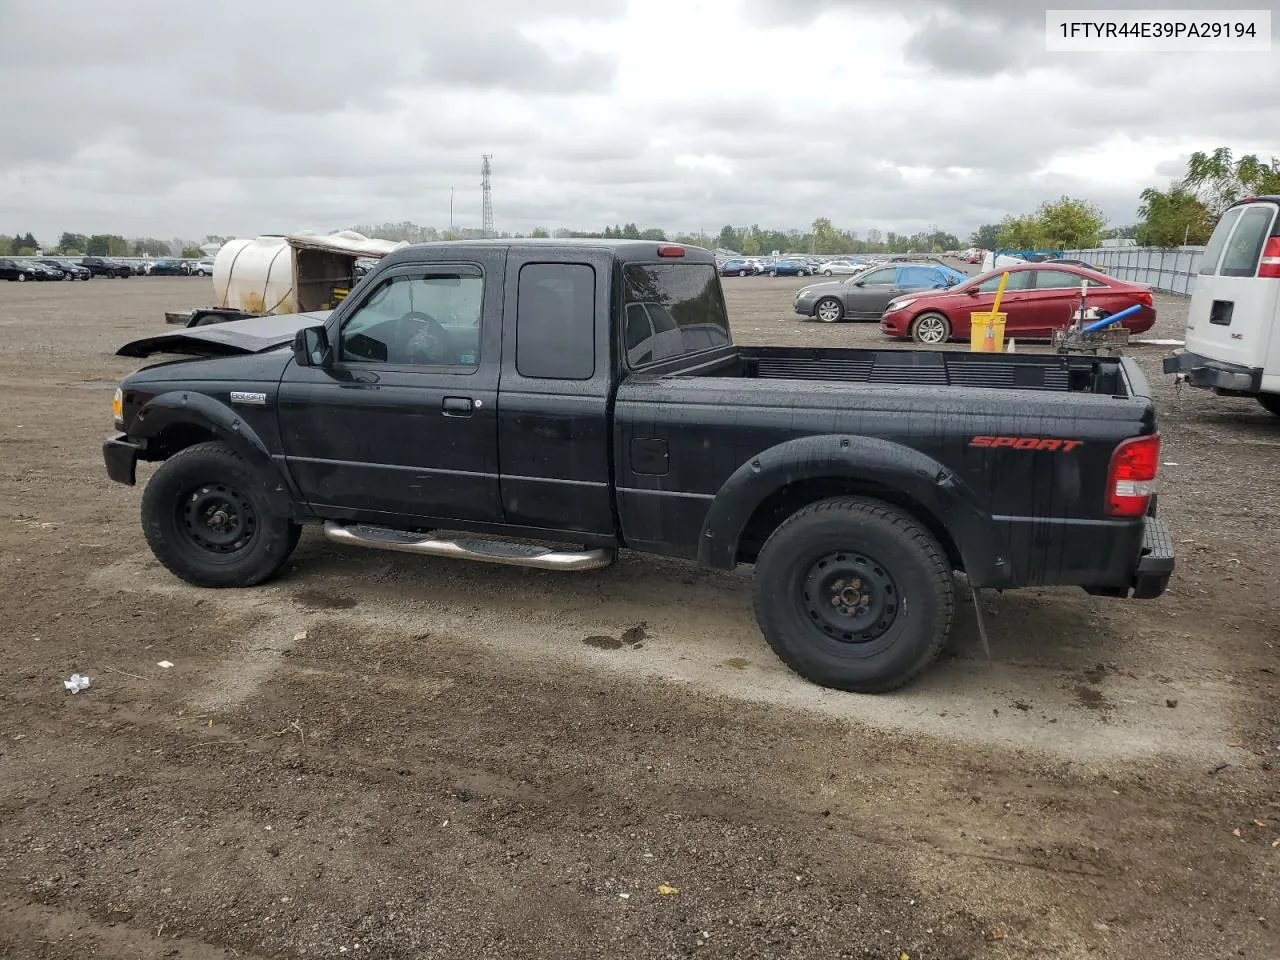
x=427, y=319
x=920, y=277
x=1218, y=240
x=555, y=321
x=886, y=276
x=1061, y=280
x=1018, y=280
x=1245, y=245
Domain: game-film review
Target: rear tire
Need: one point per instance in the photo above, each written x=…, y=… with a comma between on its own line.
x=773, y=273
x=931, y=329
x=207, y=518
x=22, y=278
x=1270, y=402
x=854, y=595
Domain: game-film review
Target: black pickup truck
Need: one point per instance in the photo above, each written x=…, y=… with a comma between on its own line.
x=547, y=403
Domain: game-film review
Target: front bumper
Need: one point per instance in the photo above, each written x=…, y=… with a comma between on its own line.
x=895, y=324
x=1155, y=562
x=1214, y=374
x=121, y=456
x=804, y=307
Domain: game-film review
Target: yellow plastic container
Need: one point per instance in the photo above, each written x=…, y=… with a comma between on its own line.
x=986, y=332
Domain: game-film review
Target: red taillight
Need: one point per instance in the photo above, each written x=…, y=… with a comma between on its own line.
x=1270, y=264
x=671, y=251
x=1144, y=298
x=1131, y=478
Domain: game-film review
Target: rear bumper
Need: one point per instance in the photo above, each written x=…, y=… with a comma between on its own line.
x=1214, y=374
x=1155, y=563
x=121, y=456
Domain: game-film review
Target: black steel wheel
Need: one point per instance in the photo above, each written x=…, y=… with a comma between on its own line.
x=208, y=519
x=854, y=594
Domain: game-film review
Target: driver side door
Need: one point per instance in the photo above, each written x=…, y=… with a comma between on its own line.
x=401, y=429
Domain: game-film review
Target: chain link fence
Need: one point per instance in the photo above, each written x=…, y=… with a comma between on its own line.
x=1167, y=269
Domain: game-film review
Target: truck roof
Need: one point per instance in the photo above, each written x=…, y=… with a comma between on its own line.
x=623, y=249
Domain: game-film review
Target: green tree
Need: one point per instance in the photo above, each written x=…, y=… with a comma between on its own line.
x=151, y=247
x=1173, y=217
x=630, y=232
x=23, y=245
x=1020, y=233
x=653, y=233
x=986, y=236
x=1127, y=232
x=1219, y=179
x=71, y=243
x=539, y=233
x=1070, y=224
x=191, y=253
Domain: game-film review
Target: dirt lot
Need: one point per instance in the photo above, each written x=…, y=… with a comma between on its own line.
x=385, y=756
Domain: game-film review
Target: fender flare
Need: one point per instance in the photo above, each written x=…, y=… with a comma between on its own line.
x=946, y=497
x=197, y=409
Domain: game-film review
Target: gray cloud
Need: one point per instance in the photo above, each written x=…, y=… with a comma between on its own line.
x=268, y=117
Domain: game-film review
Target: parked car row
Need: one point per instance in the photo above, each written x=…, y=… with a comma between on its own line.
x=932, y=304
x=22, y=269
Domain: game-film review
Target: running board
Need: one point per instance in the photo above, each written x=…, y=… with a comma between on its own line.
x=486, y=551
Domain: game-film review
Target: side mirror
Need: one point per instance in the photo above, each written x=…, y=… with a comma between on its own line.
x=311, y=347
x=859, y=283
x=972, y=291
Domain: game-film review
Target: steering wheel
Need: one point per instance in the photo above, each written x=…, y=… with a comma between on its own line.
x=430, y=343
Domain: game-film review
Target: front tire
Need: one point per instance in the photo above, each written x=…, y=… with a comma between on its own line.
x=773, y=273
x=207, y=518
x=22, y=278
x=741, y=273
x=931, y=329
x=829, y=310
x=854, y=595
x=800, y=273
x=1270, y=402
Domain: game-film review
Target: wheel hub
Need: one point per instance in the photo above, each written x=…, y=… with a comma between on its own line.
x=218, y=518
x=850, y=597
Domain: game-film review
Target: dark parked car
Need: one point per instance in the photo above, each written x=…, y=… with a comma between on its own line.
x=48, y=272
x=864, y=296
x=169, y=268
x=105, y=267
x=588, y=393
x=70, y=271
x=794, y=267
x=19, y=270
x=738, y=268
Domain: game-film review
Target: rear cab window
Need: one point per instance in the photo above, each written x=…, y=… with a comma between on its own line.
x=671, y=310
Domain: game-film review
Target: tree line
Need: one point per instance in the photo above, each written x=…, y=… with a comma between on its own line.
x=101, y=245
x=1184, y=213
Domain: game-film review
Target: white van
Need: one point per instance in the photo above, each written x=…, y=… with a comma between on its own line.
x=1233, y=328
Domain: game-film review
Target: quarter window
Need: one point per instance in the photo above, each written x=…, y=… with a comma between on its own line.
x=555, y=321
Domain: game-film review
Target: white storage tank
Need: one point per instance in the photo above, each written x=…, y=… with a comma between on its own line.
x=255, y=276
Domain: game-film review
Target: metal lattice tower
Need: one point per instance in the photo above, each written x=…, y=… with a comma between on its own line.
x=486, y=196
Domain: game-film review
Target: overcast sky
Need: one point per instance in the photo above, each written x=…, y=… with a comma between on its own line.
x=241, y=118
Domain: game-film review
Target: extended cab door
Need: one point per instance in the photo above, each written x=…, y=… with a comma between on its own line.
x=554, y=403
x=402, y=427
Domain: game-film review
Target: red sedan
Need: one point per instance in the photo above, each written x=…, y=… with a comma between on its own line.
x=1038, y=298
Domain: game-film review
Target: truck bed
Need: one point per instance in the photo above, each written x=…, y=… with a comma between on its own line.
x=939, y=368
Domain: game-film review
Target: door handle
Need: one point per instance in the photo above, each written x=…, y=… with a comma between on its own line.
x=456, y=406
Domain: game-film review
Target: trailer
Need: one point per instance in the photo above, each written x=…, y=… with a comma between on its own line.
x=284, y=273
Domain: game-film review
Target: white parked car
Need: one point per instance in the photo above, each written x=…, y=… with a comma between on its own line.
x=841, y=267
x=202, y=269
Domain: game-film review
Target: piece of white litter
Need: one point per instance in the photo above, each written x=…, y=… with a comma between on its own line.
x=300, y=635
x=76, y=683
x=1161, y=343
x=164, y=664
x=624, y=896
x=1169, y=463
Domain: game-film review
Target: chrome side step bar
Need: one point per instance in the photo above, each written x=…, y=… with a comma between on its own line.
x=486, y=551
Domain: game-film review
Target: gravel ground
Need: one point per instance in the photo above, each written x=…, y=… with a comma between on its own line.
x=396, y=757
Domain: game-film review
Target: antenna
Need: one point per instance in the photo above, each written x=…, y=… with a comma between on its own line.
x=486, y=195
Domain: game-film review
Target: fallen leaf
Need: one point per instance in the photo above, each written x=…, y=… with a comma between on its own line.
x=995, y=934
x=164, y=664
x=299, y=636
x=1276, y=842
x=1258, y=823
x=666, y=890
x=210, y=723
x=904, y=956
x=1236, y=832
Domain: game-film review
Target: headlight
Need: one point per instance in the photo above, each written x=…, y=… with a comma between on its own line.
x=117, y=407
x=899, y=304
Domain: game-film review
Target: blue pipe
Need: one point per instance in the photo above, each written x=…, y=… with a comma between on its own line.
x=1108, y=321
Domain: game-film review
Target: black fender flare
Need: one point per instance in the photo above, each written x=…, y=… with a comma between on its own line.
x=187, y=407
x=893, y=466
